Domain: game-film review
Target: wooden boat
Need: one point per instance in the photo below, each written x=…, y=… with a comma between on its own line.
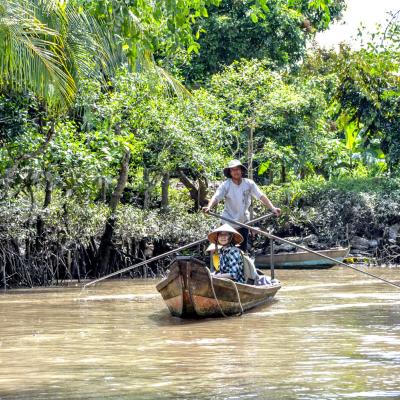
x=190, y=290
x=302, y=259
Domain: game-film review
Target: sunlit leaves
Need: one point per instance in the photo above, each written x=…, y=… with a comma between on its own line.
x=141, y=26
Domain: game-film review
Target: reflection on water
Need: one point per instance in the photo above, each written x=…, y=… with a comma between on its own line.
x=328, y=335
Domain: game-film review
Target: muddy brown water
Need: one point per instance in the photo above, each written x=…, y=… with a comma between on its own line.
x=330, y=334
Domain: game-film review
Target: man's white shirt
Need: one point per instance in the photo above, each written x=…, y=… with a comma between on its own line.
x=237, y=198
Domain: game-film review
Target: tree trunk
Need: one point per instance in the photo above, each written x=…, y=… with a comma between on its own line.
x=103, y=192
x=271, y=176
x=40, y=234
x=202, y=191
x=104, y=251
x=47, y=193
x=283, y=173
x=146, y=183
x=250, y=151
x=164, y=192
x=197, y=194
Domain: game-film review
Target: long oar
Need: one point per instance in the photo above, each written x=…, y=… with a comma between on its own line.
x=121, y=271
x=270, y=236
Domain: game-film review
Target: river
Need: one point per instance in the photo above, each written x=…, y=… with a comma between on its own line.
x=330, y=334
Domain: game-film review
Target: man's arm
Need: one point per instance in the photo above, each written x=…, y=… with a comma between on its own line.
x=218, y=196
x=265, y=200
x=258, y=194
x=213, y=201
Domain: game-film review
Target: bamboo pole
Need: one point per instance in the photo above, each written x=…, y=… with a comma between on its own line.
x=271, y=255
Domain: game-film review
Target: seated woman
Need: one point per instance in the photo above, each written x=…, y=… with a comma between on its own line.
x=230, y=258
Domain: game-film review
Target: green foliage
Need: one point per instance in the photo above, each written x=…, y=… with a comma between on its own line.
x=274, y=29
x=16, y=113
x=155, y=225
x=165, y=133
x=287, y=116
x=307, y=191
x=368, y=98
x=144, y=26
x=325, y=130
x=336, y=209
x=361, y=89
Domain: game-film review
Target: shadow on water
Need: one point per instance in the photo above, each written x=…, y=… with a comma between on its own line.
x=164, y=318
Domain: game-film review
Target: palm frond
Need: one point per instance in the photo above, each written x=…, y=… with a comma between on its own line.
x=31, y=54
x=48, y=45
x=145, y=63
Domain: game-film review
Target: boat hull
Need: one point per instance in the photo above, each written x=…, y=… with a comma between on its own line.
x=302, y=259
x=190, y=291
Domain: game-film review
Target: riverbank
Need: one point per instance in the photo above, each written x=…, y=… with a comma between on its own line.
x=362, y=213
x=45, y=246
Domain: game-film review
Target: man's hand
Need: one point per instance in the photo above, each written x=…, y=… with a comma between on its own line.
x=253, y=231
x=276, y=211
x=206, y=210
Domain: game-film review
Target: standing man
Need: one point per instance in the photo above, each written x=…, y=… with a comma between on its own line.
x=237, y=191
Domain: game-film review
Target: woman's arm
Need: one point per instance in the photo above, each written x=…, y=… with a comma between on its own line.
x=225, y=275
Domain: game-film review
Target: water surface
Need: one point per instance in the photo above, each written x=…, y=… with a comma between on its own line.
x=330, y=334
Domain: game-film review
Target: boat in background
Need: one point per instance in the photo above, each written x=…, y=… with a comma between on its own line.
x=302, y=259
x=190, y=290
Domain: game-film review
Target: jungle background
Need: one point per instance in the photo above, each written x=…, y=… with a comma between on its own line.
x=117, y=118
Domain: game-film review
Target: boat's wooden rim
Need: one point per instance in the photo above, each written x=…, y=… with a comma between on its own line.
x=224, y=282
x=332, y=250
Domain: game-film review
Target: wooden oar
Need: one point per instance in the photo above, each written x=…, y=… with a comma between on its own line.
x=121, y=271
x=278, y=239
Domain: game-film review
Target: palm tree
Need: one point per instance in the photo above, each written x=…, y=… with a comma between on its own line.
x=47, y=45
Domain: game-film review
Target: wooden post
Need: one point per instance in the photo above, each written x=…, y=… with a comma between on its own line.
x=271, y=254
x=4, y=275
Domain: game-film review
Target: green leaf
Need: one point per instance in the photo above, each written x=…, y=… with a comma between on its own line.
x=264, y=167
x=254, y=18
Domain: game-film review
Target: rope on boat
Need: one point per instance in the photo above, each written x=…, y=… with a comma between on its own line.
x=216, y=298
x=238, y=297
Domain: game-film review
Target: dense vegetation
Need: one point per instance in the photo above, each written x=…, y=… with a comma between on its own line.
x=117, y=117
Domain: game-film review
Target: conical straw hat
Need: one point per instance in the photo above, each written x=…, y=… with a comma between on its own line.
x=237, y=237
